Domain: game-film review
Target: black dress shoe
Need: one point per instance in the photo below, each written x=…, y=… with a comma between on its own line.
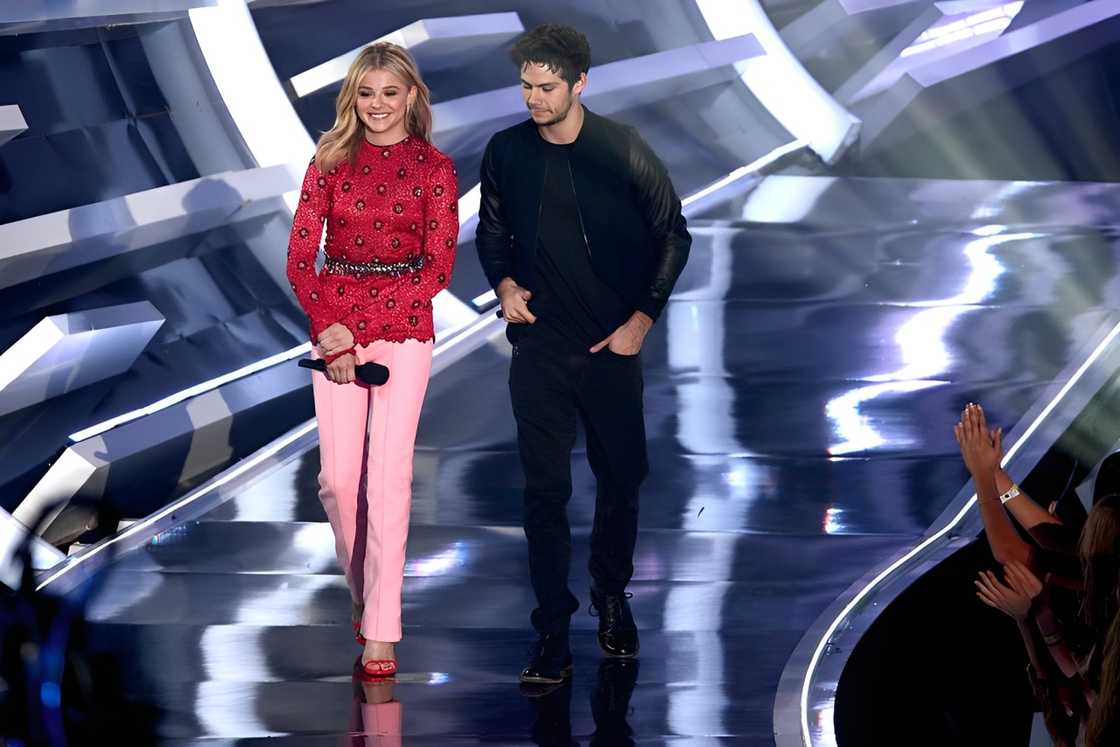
x=618, y=635
x=550, y=660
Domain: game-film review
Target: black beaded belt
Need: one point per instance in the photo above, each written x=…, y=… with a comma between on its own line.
x=395, y=269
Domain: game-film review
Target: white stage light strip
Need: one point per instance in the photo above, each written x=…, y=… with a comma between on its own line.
x=744, y=171
x=992, y=21
x=193, y=391
x=487, y=297
x=806, y=734
x=780, y=82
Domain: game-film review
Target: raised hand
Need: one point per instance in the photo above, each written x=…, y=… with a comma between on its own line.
x=981, y=449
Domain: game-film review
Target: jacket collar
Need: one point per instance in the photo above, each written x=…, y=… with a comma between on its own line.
x=592, y=141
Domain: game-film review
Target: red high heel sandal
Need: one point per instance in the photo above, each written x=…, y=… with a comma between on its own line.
x=372, y=669
x=361, y=639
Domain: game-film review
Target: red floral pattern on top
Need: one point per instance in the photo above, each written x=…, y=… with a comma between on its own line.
x=392, y=203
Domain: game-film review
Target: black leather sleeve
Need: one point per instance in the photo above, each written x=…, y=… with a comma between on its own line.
x=662, y=210
x=492, y=236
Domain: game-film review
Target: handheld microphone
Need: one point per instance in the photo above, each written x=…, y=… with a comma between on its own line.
x=373, y=374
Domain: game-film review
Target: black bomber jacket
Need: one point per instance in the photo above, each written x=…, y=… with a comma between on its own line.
x=632, y=223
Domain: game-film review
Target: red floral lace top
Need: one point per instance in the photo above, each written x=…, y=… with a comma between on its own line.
x=392, y=227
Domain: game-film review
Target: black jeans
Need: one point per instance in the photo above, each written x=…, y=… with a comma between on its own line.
x=552, y=385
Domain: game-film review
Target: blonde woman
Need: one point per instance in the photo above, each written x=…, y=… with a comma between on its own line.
x=389, y=199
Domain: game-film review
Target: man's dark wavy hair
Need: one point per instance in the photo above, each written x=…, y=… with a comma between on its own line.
x=561, y=49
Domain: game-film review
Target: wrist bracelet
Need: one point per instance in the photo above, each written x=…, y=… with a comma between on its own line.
x=1052, y=638
x=332, y=358
x=1012, y=492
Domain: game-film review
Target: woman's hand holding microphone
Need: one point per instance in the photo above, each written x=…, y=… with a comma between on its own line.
x=333, y=340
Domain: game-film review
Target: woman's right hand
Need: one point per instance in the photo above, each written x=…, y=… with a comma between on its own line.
x=1020, y=578
x=981, y=449
x=341, y=369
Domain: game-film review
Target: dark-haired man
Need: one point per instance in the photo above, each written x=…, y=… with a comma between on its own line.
x=581, y=235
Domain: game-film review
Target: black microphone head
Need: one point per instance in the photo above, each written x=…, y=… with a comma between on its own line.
x=373, y=374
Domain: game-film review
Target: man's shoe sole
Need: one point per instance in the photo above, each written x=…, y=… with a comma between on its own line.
x=619, y=656
x=565, y=673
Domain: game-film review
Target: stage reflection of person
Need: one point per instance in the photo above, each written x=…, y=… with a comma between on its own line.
x=377, y=718
x=610, y=707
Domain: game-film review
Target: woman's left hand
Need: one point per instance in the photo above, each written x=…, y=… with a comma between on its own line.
x=334, y=339
x=995, y=593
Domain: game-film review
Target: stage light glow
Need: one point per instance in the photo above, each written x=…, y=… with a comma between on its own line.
x=949, y=31
x=779, y=81
x=921, y=345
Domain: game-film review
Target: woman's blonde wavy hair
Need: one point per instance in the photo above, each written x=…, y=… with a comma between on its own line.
x=342, y=141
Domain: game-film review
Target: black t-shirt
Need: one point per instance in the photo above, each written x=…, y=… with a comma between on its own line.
x=569, y=298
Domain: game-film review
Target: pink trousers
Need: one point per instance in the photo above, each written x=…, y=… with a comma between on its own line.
x=366, y=439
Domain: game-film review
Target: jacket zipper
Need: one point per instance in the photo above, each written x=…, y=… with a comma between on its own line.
x=579, y=213
x=540, y=210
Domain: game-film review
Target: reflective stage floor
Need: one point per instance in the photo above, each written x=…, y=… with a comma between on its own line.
x=800, y=392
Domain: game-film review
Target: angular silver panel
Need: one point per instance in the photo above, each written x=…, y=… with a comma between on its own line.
x=435, y=43
x=37, y=247
x=12, y=122
x=36, y=16
x=65, y=352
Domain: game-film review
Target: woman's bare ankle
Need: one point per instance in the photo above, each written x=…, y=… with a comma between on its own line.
x=378, y=650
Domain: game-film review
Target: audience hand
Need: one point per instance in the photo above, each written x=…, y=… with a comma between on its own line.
x=995, y=593
x=981, y=449
x=1020, y=578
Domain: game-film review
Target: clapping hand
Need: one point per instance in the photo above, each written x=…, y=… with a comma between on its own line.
x=1014, y=600
x=1020, y=578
